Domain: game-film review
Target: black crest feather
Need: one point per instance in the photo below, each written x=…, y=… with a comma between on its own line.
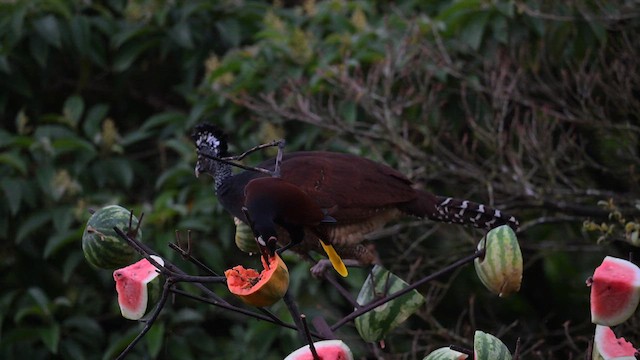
x=211, y=136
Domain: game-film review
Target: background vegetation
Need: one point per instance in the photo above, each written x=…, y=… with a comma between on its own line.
x=528, y=105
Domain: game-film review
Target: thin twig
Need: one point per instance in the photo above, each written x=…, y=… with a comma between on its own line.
x=192, y=259
x=154, y=316
x=307, y=333
x=240, y=310
x=344, y=292
x=209, y=154
x=295, y=313
x=278, y=143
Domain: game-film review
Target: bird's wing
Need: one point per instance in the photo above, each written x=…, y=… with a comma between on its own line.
x=351, y=187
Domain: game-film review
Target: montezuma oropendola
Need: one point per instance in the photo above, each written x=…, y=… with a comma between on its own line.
x=358, y=195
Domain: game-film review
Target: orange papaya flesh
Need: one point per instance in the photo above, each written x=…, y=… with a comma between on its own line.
x=259, y=289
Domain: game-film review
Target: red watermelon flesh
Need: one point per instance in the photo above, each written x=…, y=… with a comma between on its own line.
x=611, y=347
x=327, y=350
x=615, y=291
x=131, y=285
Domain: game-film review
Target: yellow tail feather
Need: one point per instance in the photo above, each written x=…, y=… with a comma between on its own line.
x=335, y=259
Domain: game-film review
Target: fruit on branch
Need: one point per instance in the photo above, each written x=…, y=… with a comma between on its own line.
x=607, y=346
x=445, y=353
x=500, y=270
x=259, y=289
x=133, y=284
x=327, y=350
x=375, y=324
x=615, y=291
x=489, y=347
x=102, y=247
x=244, y=237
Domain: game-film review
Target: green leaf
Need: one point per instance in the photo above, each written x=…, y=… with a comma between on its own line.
x=163, y=119
x=181, y=34
x=154, y=339
x=71, y=262
x=473, y=31
x=15, y=161
x=120, y=170
x=93, y=120
x=134, y=137
x=81, y=34
x=39, y=50
x=40, y=298
x=60, y=239
x=13, y=193
x=47, y=27
x=31, y=224
x=230, y=32
x=5, y=67
x=62, y=217
x=50, y=336
x=73, y=109
x=129, y=53
x=116, y=345
x=73, y=145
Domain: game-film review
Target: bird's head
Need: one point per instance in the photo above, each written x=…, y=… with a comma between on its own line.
x=212, y=140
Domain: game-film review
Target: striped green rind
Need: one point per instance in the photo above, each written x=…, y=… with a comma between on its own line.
x=374, y=325
x=244, y=238
x=489, y=347
x=445, y=353
x=102, y=247
x=501, y=268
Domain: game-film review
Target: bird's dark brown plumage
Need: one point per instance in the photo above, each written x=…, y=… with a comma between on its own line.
x=361, y=195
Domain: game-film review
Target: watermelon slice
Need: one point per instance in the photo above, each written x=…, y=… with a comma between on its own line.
x=607, y=346
x=615, y=291
x=376, y=324
x=501, y=268
x=327, y=350
x=445, y=353
x=489, y=347
x=131, y=285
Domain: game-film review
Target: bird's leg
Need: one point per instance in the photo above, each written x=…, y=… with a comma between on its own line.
x=276, y=169
x=296, y=234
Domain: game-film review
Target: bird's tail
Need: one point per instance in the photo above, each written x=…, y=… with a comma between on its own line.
x=457, y=211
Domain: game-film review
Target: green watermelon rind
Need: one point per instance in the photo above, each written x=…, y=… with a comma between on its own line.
x=374, y=325
x=102, y=247
x=500, y=270
x=244, y=238
x=445, y=353
x=489, y=347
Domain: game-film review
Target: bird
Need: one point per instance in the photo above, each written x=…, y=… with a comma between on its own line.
x=271, y=202
x=327, y=198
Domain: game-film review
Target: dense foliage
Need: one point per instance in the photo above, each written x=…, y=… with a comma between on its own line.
x=531, y=106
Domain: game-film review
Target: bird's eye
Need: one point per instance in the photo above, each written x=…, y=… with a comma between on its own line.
x=261, y=241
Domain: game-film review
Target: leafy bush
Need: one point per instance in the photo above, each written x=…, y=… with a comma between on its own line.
x=529, y=105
